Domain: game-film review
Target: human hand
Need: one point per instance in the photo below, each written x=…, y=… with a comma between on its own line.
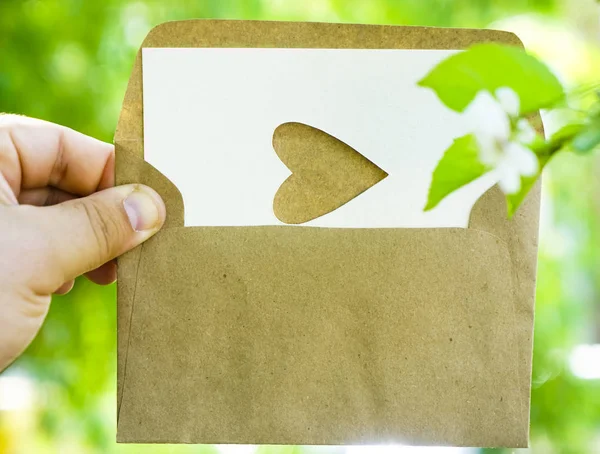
x=60, y=217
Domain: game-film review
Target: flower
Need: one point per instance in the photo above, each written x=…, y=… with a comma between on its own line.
x=503, y=139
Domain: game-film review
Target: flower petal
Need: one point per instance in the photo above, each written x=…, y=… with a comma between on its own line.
x=509, y=100
x=486, y=116
x=488, y=151
x=524, y=132
x=522, y=159
x=509, y=180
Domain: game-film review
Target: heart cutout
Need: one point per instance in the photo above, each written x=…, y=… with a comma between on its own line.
x=326, y=173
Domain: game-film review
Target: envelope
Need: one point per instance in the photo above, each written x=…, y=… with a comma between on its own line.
x=326, y=336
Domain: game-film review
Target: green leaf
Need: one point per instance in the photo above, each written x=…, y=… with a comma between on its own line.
x=459, y=166
x=588, y=139
x=560, y=140
x=566, y=133
x=490, y=66
x=513, y=201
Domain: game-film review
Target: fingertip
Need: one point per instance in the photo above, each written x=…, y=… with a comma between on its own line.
x=104, y=275
x=65, y=288
x=158, y=201
x=145, y=209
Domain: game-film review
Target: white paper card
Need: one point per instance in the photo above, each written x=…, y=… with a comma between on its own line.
x=210, y=114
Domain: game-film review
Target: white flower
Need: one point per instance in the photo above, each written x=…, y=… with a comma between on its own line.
x=518, y=160
x=502, y=137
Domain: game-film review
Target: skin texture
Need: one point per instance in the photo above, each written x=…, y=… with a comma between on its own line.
x=60, y=217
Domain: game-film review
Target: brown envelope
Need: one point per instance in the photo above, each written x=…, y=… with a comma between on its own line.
x=295, y=335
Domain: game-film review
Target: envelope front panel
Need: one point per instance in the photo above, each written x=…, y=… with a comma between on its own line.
x=294, y=335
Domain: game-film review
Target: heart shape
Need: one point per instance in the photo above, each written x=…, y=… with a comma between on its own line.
x=326, y=173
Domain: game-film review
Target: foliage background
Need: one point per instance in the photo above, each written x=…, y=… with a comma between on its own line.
x=68, y=61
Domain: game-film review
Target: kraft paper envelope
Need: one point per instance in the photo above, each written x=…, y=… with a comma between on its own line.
x=296, y=335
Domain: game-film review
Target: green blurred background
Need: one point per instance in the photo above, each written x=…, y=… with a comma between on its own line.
x=68, y=61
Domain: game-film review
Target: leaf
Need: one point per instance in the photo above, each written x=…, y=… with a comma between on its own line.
x=566, y=133
x=459, y=166
x=514, y=201
x=560, y=140
x=588, y=139
x=490, y=66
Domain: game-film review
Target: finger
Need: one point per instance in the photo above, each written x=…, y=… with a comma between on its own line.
x=104, y=275
x=35, y=154
x=85, y=233
x=44, y=196
x=65, y=288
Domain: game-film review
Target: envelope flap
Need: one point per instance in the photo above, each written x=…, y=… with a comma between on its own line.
x=490, y=215
x=131, y=168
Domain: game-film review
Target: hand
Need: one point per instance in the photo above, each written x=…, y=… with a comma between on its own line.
x=60, y=217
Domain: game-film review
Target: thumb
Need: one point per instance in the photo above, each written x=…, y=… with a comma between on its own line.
x=85, y=233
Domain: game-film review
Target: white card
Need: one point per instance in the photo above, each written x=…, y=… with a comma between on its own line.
x=210, y=114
